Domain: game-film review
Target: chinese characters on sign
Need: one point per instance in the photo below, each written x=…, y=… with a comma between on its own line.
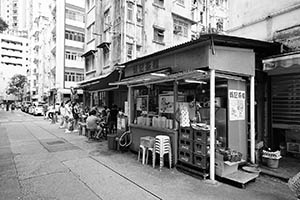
x=236, y=104
x=145, y=67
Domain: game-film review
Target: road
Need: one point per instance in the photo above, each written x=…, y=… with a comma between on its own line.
x=39, y=161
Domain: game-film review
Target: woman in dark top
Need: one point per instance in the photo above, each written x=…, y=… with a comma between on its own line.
x=112, y=118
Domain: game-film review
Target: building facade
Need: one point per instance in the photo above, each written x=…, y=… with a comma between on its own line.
x=67, y=42
x=14, y=59
x=279, y=74
x=119, y=31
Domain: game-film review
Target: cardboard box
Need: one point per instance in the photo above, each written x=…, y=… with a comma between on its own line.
x=223, y=168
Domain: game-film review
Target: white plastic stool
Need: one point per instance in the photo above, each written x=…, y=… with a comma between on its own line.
x=162, y=146
x=143, y=153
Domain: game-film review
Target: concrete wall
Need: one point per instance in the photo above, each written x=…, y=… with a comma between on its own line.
x=263, y=20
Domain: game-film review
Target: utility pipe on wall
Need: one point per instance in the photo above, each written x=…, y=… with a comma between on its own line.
x=252, y=119
x=212, y=126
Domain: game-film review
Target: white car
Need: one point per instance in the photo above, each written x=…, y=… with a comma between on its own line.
x=38, y=110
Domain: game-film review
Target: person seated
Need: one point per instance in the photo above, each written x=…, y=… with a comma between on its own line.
x=92, y=123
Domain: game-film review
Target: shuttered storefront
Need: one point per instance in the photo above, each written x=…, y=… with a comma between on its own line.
x=285, y=100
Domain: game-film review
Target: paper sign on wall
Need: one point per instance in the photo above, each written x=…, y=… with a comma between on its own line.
x=236, y=105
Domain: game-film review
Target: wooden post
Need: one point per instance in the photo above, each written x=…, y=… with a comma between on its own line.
x=212, y=126
x=252, y=119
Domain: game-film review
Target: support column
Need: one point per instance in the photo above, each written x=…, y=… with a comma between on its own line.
x=130, y=101
x=252, y=119
x=212, y=126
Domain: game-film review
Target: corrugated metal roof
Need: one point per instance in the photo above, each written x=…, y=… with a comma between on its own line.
x=222, y=40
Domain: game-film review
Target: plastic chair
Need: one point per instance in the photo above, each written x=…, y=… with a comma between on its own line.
x=162, y=146
x=143, y=153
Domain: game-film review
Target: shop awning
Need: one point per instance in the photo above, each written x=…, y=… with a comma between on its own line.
x=282, y=63
x=156, y=77
x=100, y=83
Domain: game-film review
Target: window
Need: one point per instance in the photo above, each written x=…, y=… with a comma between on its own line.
x=129, y=11
x=139, y=15
x=180, y=27
x=90, y=31
x=158, y=35
x=129, y=51
x=138, y=50
x=72, y=55
x=105, y=56
x=90, y=4
x=220, y=25
x=74, y=15
x=74, y=76
x=159, y=2
x=71, y=35
x=107, y=20
x=89, y=63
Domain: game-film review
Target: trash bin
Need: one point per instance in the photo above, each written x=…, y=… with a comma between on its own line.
x=111, y=140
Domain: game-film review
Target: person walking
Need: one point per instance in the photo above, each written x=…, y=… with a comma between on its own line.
x=62, y=111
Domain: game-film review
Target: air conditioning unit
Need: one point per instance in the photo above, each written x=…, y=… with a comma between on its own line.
x=177, y=29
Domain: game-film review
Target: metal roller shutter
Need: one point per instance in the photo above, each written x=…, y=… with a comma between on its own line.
x=285, y=100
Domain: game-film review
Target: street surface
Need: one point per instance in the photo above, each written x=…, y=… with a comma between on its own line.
x=39, y=161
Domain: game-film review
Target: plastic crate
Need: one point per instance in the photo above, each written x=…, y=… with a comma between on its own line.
x=293, y=147
x=201, y=161
x=185, y=156
x=201, y=136
x=200, y=148
x=186, y=145
x=186, y=133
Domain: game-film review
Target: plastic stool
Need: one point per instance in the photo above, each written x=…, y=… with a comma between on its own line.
x=162, y=146
x=144, y=153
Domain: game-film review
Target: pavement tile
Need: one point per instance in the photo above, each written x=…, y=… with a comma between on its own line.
x=106, y=183
x=63, y=186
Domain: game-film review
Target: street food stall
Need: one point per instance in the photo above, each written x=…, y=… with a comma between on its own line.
x=195, y=93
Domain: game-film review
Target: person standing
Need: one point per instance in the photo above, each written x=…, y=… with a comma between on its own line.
x=62, y=111
x=75, y=112
x=112, y=118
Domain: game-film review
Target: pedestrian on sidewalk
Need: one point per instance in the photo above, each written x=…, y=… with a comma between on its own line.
x=62, y=111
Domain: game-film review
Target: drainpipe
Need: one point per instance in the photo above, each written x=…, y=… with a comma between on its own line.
x=212, y=126
x=252, y=119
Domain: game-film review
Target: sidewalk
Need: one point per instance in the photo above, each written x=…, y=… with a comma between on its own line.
x=51, y=164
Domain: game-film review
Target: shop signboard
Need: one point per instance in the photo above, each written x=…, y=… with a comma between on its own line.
x=236, y=104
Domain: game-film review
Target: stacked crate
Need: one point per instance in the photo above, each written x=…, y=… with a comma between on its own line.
x=201, y=156
x=186, y=145
x=193, y=147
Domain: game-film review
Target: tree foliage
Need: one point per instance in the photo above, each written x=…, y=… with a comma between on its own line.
x=3, y=25
x=17, y=84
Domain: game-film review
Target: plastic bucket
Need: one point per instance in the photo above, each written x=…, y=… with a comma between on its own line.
x=111, y=140
x=272, y=163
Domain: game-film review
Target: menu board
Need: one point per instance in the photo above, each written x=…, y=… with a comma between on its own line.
x=236, y=104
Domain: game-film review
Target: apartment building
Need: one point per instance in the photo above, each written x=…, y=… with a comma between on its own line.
x=14, y=59
x=15, y=14
x=119, y=31
x=67, y=46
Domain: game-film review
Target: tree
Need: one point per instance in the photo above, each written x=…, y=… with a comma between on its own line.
x=16, y=85
x=3, y=25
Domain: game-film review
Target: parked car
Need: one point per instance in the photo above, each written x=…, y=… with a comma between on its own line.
x=38, y=110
